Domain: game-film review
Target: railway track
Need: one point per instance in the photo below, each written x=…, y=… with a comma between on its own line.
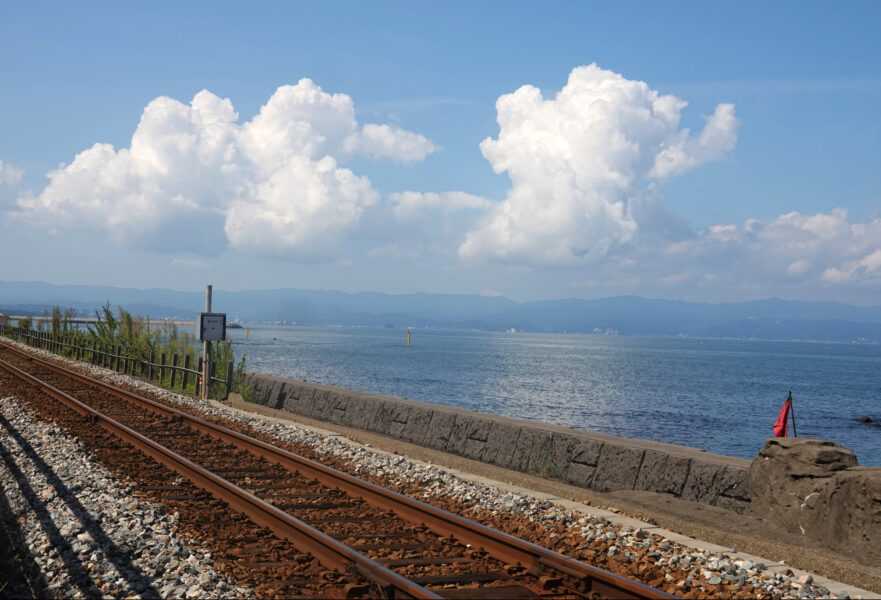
x=291, y=526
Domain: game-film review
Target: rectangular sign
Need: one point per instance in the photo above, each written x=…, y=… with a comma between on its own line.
x=212, y=327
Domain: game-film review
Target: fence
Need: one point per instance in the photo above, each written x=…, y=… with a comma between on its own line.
x=170, y=374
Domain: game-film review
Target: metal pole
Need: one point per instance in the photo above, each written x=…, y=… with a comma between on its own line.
x=206, y=364
x=792, y=414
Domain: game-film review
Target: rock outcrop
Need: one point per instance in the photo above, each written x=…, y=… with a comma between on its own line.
x=816, y=488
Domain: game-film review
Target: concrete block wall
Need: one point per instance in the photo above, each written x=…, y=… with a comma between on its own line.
x=583, y=458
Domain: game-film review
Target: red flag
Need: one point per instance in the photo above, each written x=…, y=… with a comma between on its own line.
x=780, y=426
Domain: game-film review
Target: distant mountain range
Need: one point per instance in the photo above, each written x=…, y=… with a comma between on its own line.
x=622, y=315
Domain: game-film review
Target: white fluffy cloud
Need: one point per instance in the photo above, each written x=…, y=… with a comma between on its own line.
x=791, y=250
x=385, y=141
x=577, y=162
x=408, y=205
x=684, y=152
x=195, y=179
x=298, y=206
x=824, y=255
x=9, y=175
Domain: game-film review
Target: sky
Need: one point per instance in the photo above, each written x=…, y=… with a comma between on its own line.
x=689, y=150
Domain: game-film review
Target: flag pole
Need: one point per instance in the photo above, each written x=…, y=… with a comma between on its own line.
x=792, y=413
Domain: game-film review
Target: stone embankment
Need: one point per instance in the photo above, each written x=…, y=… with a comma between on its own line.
x=590, y=460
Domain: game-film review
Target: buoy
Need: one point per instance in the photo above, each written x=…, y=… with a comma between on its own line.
x=408, y=339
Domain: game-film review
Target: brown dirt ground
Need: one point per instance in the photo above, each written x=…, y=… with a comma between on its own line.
x=744, y=532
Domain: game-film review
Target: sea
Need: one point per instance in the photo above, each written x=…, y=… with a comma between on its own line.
x=719, y=395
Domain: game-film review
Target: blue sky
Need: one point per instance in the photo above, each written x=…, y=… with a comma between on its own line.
x=765, y=184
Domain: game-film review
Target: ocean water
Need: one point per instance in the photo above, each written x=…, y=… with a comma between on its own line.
x=718, y=395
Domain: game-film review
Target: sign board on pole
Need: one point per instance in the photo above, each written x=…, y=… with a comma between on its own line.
x=212, y=327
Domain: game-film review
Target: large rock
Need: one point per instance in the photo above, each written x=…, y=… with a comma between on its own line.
x=852, y=503
x=816, y=488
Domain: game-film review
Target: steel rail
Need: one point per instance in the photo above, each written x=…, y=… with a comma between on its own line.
x=327, y=550
x=535, y=559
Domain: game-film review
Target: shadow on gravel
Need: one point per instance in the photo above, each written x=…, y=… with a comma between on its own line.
x=20, y=575
x=78, y=574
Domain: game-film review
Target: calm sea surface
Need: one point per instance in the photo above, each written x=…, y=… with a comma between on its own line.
x=719, y=395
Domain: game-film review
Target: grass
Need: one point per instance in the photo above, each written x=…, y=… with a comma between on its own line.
x=133, y=337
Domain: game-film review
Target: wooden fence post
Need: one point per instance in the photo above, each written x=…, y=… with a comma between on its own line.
x=162, y=368
x=173, y=370
x=185, y=376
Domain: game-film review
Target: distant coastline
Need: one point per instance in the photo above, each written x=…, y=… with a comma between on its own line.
x=770, y=319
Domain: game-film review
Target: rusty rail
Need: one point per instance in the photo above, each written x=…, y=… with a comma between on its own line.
x=326, y=549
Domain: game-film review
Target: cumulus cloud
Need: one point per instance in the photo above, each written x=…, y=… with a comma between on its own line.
x=298, y=206
x=196, y=179
x=9, y=175
x=409, y=204
x=385, y=141
x=685, y=152
x=796, y=255
x=794, y=248
x=578, y=162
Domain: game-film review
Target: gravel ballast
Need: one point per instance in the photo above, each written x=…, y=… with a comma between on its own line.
x=690, y=570
x=79, y=532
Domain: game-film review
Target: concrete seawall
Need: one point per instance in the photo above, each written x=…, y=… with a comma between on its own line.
x=591, y=460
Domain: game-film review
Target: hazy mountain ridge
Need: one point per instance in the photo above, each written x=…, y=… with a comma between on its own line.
x=625, y=315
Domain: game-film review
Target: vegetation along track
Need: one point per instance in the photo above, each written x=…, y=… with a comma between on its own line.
x=290, y=526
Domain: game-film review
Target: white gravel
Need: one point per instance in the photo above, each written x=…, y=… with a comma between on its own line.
x=703, y=566
x=85, y=531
